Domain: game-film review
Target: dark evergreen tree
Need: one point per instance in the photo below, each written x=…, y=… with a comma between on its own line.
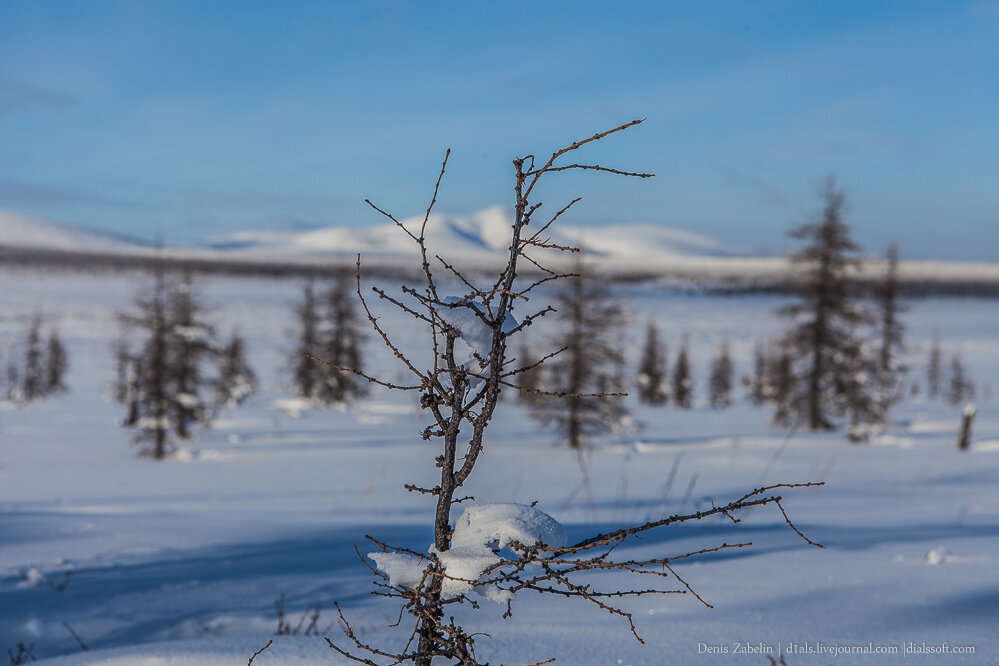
x=154, y=400
x=720, y=384
x=779, y=384
x=756, y=384
x=652, y=378
x=56, y=364
x=190, y=342
x=307, y=371
x=683, y=380
x=957, y=390
x=33, y=379
x=236, y=381
x=890, y=368
x=340, y=346
x=133, y=392
x=166, y=380
x=828, y=356
x=934, y=372
x=529, y=375
x=122, y=363
x=856, y=394
x=590, y=363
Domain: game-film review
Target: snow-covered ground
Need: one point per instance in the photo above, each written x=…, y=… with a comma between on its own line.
x=181, y=562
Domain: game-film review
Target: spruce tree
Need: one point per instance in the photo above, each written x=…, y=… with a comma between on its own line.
x=958, y=388
x=190, y=341
x=236, y=380
x=779, y=384
x=33, y=379
x=683, y=381
x=529, y=375
x=652, y=382
x=828, y=355
x=892, y=333
x=133, y=391
x=756, y=384
x=934, y=371
x=307, y=371
x=720, y=384
x=56, y=364
x=153, y=404
x=341, y=340
x=590, y=363
x=122, y=363
x=166, y=376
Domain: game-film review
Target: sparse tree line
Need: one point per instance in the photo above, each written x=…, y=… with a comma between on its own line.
x=658, y=383
x=952, y=384
x=838, y=363
x=36, y=366
x=173, y=374
x=839, y=359
x=330, y=338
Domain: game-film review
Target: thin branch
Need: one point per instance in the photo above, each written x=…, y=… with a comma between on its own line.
x=597, y=167
x=687, y=585
x=562, y=394
x=363, y=375
x=535, y=174
x=374, y=323
x=791, y=525
x=257, y=653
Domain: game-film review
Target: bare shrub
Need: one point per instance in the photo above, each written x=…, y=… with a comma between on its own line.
x=496, y=550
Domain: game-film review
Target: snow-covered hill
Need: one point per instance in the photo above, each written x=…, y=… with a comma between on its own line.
x=25, y=231
x=481, y=236
x=475, y=241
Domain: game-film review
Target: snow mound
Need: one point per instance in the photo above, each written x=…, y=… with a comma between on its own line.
x=938, y=555
x=481, y=532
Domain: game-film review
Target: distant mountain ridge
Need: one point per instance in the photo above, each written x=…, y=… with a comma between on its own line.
x=481, y=236
x=27, y=231
x=475, y=242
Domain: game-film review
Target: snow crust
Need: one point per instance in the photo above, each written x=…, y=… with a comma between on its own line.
x=181, y=561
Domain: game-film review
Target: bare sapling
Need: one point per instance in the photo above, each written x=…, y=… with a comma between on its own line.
x=495, y=550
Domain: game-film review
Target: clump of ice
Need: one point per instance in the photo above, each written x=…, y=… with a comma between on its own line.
x=482, y=531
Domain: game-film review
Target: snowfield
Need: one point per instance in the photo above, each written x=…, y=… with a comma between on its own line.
x=181, y=562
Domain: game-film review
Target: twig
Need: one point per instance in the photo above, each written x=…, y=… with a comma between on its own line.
x=75, y=636
x=257, y=653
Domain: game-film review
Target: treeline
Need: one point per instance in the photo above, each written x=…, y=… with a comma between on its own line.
x=174, y=374
x=36, y=365
x=838, y=362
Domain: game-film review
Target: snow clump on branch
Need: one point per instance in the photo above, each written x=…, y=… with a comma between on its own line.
x=482, y=531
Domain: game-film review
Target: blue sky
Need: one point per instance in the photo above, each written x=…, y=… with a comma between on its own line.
x=198, y=119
